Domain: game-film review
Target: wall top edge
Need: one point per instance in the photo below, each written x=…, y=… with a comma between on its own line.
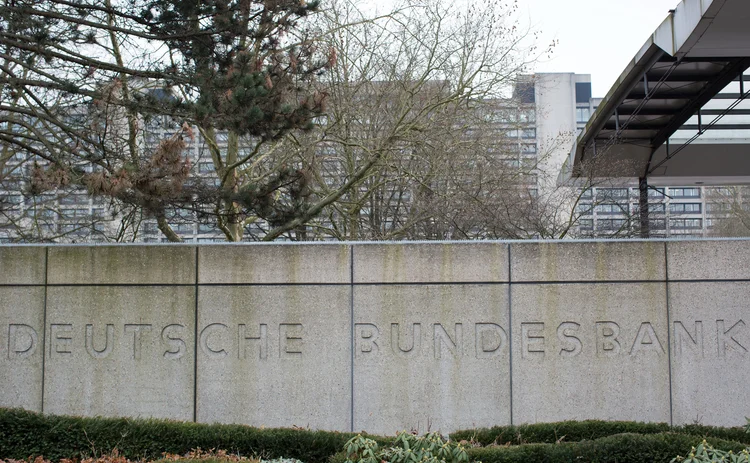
x=372, y=243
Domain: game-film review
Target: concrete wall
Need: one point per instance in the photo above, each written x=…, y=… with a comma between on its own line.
x=380, y=337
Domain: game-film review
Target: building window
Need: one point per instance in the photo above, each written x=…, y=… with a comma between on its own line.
x=527, y=148
x=583, y=92
x=75, y=198
x=587, y=224
x=685, y=208
x=611, y=224
x=656, y=192
x=610, y=208
x=657, y=224
x=685, y=223
x=207, y=228
x=584, y=208
x=608, y=193
x=528, y=133
x=583, y=115
x=685, y=192
x=528, y=115
x=659, y=208
x=718, y=207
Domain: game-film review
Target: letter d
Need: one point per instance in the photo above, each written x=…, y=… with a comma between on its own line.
x=22, y=341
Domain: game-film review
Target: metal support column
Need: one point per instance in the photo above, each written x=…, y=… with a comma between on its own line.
x=643, y=203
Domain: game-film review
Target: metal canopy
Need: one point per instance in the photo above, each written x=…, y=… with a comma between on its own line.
x=686, y=81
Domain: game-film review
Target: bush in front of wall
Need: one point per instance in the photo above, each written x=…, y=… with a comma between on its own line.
x=706, y=453
x=406, y=448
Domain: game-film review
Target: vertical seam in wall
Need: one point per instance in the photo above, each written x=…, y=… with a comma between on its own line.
x=510, y=333
x=195, y=342
x=44, y=322
x=669, y=334
x=351, y=337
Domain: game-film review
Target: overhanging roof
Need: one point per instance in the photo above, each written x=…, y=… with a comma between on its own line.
x=699, y=50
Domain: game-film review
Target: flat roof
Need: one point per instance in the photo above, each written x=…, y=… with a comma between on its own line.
x=685, y=81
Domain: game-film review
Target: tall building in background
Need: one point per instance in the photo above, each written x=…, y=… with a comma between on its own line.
x=563, y=105
x=533, y=132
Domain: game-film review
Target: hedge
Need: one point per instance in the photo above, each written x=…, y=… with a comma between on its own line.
x=24, y=434
x=619, y=448
x=574, y=431
x=550, y=433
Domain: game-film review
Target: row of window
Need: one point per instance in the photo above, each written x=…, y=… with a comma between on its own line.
x=606, y=193
x=622, y=208
x=624, y=224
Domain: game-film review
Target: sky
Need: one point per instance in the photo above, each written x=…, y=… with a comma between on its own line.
x=597, y=37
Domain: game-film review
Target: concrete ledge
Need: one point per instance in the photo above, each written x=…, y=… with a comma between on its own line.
x=709, y=260
x=588, y=261
x=121, y=265
x=264, y=264
x=22, y=265
x=431, y=263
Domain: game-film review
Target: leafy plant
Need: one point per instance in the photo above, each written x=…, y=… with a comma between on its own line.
x=407, y=448
x=705, y=453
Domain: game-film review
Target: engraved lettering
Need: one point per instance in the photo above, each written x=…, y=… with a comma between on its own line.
x=572, y=344
x=262, y=341
x=109, y=342
x=695, y=343
x=22, y=341
x=416, y=339
x=60, y=338
x=441, y=337
x=136, y=329
x=203, y=340
x=366, y=338
x=646, y=340
x=726, y=338
x=489, y=339
x=532, y=340
x=606, y=338
x=290, y=340
x=170, y=336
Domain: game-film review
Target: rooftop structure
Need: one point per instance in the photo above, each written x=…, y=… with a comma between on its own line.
x=686, y=80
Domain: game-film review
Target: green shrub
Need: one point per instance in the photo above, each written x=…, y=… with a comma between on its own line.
x=738, y=434
x=406, y=448
x=565, y=431
x=574, y=431
x=24, y=434
x=621, y=448
x=706, y=453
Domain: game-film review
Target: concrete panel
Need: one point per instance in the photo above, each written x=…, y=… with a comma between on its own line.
x=21, y=347
x=120, y=351
x=430, y=357
x=710, y=327
x=321, y=263
x=121, y=265
x=588, y=261
x=275, y=356
x=22, y=265
x=433, y=262
x=719, y=260
x=590, y=351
